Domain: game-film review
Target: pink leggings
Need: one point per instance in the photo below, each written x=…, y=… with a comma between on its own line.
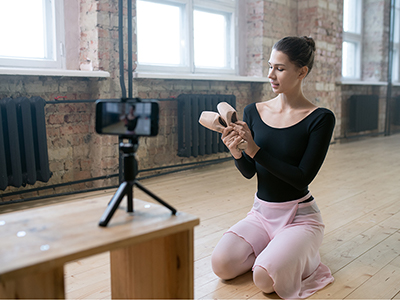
x=284, y=240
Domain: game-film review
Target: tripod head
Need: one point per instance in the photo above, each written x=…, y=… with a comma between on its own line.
x=130, y=162
x=130, y=147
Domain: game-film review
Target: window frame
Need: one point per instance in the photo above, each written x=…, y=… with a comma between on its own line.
x=228, y=7
x=396, y=44
x=355, y=38
x=55, y=32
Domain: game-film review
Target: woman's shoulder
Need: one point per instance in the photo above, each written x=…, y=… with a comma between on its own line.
x=249, y=110
x=322, y=117
x=250, y=107
x=324, y=112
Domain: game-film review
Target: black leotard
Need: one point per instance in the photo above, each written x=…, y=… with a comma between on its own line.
x=289, y=158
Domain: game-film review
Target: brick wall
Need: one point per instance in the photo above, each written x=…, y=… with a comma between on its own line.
x=321, y=20
x=267, y=22
x=375, y=50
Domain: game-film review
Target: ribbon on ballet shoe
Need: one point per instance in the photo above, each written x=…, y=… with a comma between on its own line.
x=212, y=120
x=227, y=112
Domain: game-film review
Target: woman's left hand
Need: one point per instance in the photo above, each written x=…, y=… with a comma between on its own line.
x=243, y=130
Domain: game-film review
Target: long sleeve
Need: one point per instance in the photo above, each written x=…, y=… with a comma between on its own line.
x=246, y=166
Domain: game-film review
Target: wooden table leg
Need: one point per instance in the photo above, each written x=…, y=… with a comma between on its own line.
x=36, y=285
x=161, y=268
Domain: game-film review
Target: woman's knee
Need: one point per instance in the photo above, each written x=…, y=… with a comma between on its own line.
x=221, y=266
x=262, y=280
x=224, y=265
x=227, y=263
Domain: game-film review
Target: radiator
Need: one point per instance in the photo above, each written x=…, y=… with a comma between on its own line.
x=193, y=138
x=363, y=112
x=23, y=142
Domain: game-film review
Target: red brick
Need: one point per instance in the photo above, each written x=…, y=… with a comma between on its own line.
x=72, y=118
x=55, y=119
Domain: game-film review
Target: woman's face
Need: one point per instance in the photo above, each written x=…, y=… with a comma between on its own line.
x=283, y=75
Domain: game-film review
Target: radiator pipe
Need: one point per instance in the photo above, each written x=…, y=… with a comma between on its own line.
x=94, y=100
x=56, y=186
x=390, y=66
x=130, y=65
x=70, y=101
x=346, y=137
x=121, y=46
x=51, y=196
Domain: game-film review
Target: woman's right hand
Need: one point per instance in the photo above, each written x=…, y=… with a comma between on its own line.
x=232, y=139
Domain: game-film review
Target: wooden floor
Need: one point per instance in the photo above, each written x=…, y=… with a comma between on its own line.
x=357, y=190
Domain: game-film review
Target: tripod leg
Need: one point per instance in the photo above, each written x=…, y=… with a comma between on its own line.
x=141, y=187
x=129, y=195
x=115, y=201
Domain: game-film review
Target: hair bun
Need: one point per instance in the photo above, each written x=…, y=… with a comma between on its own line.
x=310, y=41
x=299, y=49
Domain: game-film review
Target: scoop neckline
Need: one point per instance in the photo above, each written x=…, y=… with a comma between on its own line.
x=287, y=127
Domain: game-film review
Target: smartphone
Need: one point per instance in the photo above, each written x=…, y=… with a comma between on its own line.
x=128, y=118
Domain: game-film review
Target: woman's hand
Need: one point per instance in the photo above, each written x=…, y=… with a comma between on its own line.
x=232, y=139
x=244, y=132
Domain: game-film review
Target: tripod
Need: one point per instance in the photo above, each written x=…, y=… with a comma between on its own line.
x=126, y=187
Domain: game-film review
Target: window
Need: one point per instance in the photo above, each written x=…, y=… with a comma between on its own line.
x=186, y=36
x=31, y=33
x=352, y=39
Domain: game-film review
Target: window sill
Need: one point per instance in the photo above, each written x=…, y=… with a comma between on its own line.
x=142, y=75
x=359, y=82
x=53, y=72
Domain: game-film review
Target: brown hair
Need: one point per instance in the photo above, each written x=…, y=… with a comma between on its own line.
x=300, y=50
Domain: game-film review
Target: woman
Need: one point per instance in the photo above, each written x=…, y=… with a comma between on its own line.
x=287, y=141
x=131, y=119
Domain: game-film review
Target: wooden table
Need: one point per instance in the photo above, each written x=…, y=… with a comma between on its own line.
x=151, y=251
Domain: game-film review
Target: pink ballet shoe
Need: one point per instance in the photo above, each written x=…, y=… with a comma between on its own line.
x=212, y=120
x=227, y=112
x=217, y=122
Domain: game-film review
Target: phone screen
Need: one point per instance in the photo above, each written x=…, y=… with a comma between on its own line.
x=130, y=118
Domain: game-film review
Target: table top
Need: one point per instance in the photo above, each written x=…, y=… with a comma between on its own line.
x=38, y=238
